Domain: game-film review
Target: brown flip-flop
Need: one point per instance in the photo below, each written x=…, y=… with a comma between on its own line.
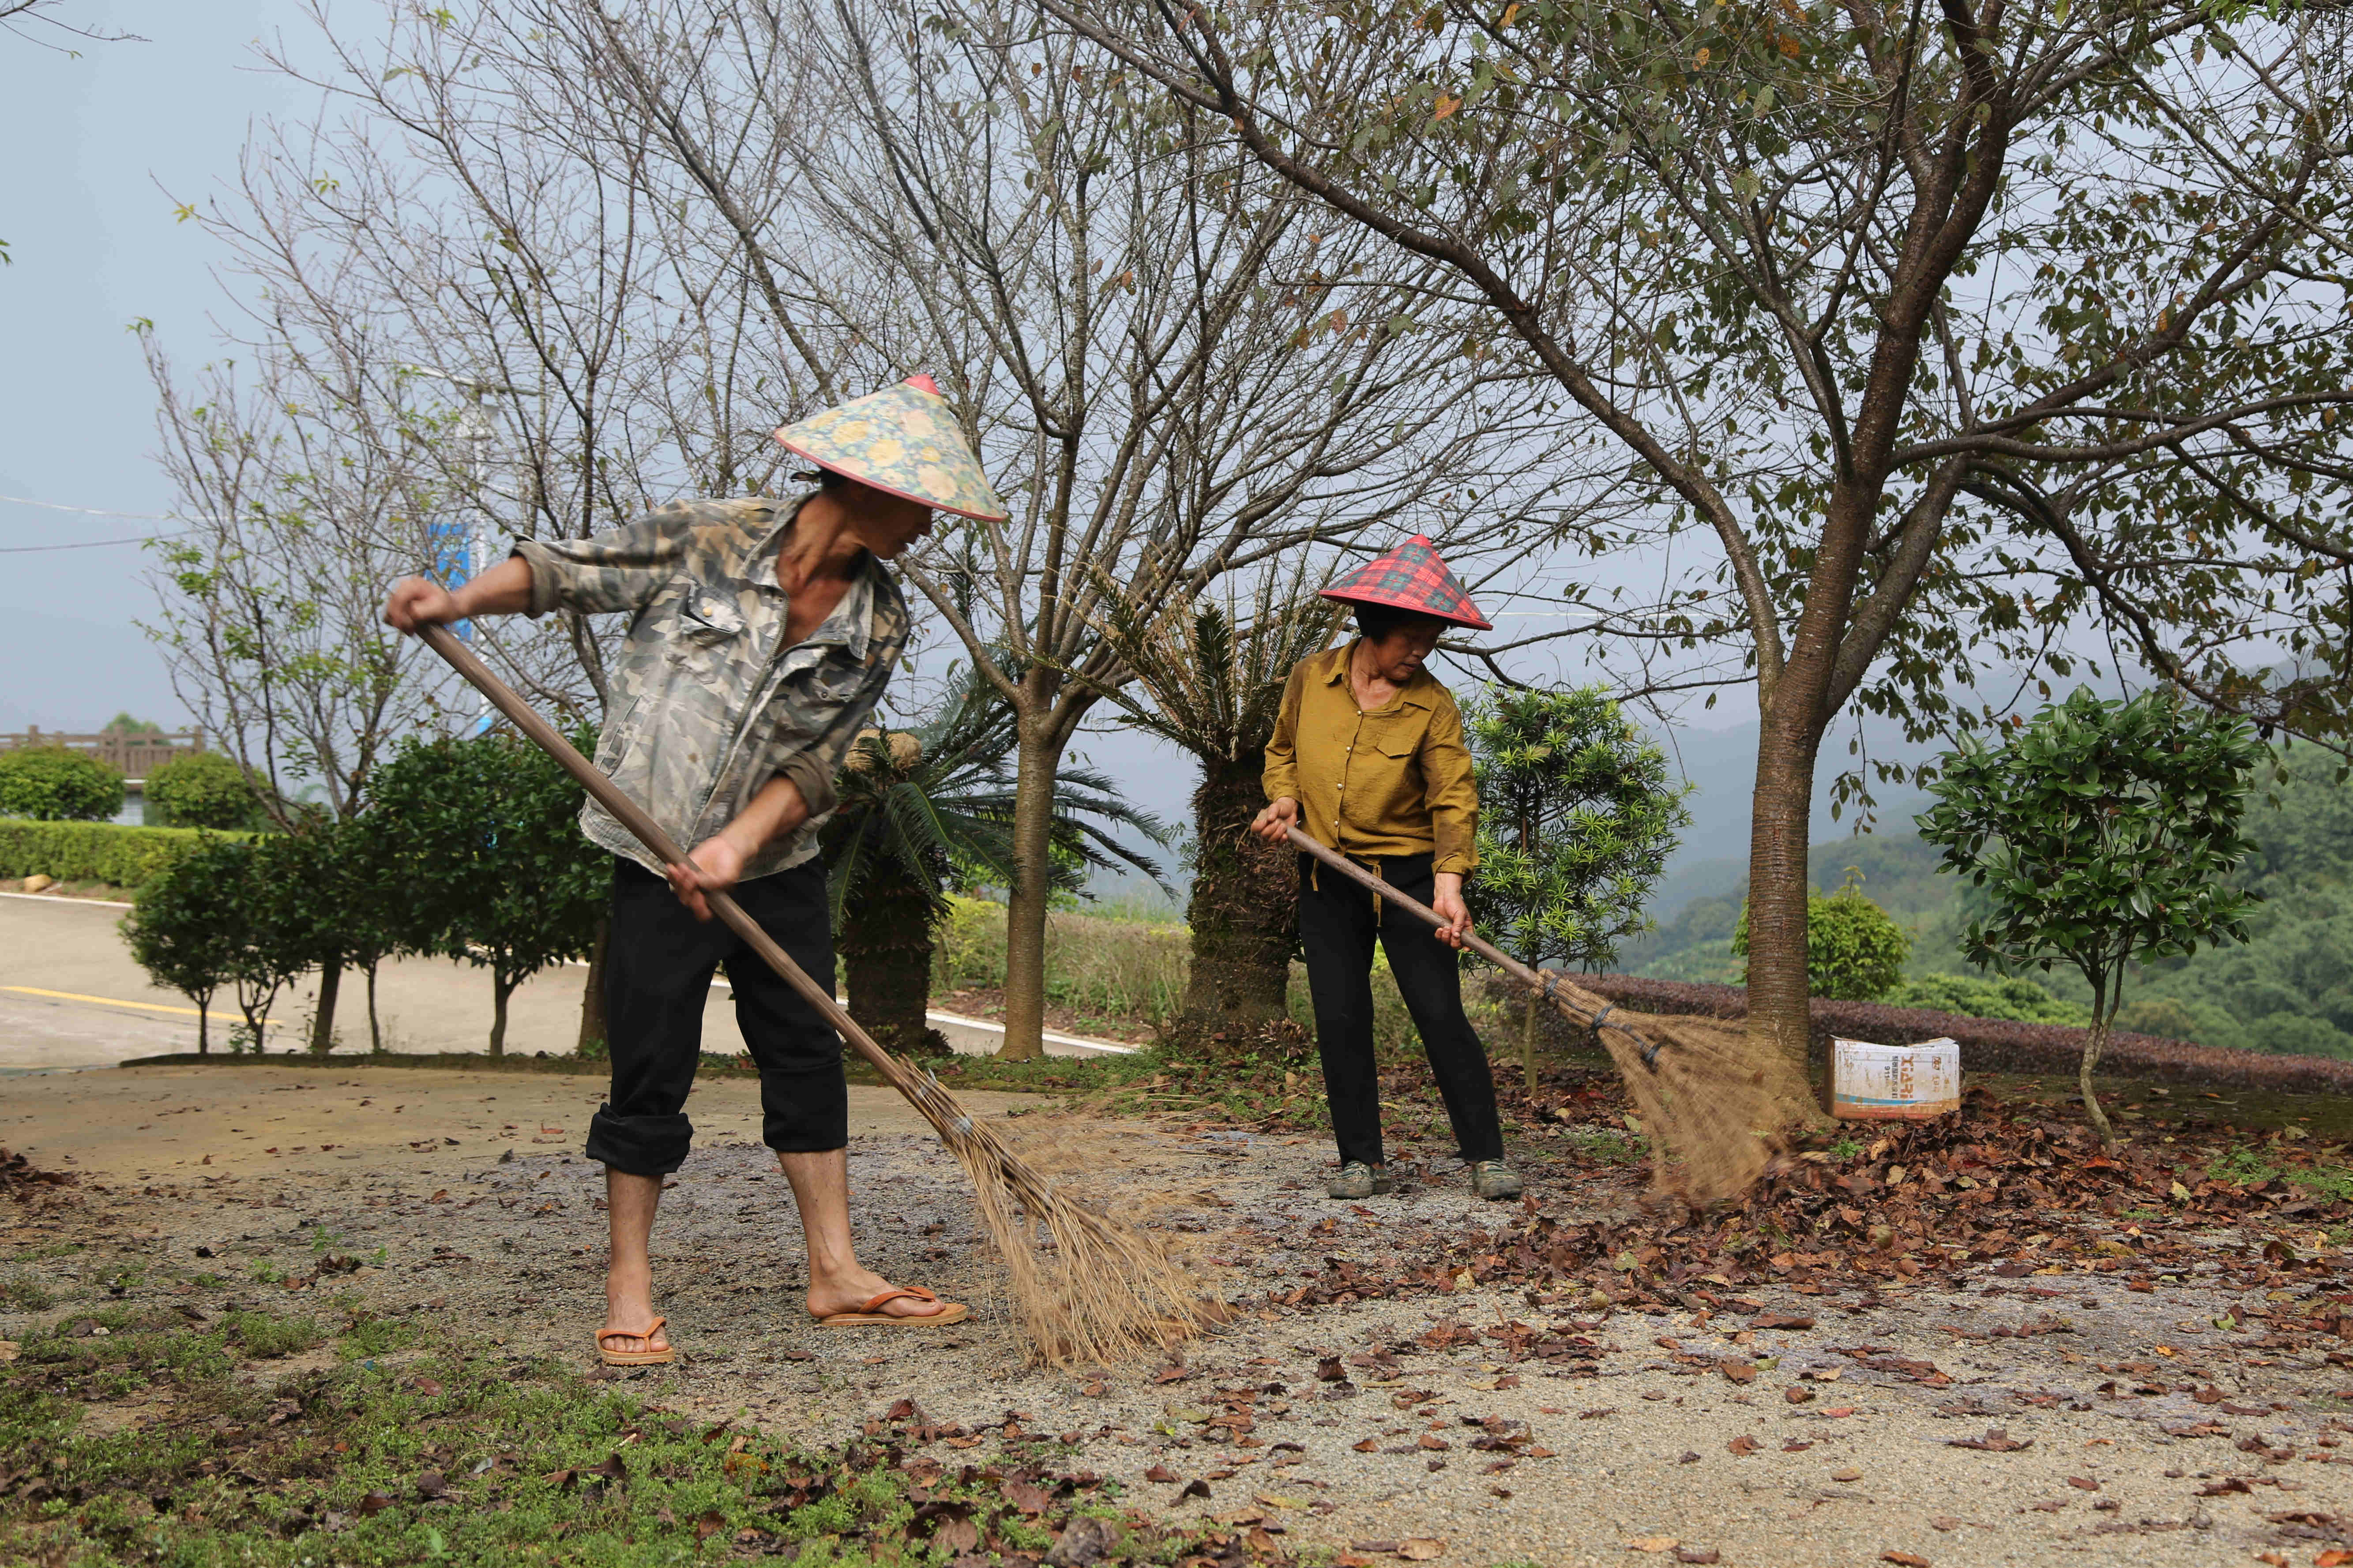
x=648, y=1357
x=951, y=1312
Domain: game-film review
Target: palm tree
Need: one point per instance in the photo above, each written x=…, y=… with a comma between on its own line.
x=1208, y=677
x=924, y=810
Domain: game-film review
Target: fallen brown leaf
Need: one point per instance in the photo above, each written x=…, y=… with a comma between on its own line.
x=1996, y=1440
x=1905, y=1559
x=1420, y=1549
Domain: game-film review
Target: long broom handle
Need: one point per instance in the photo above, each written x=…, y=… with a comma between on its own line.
x=649, y=833
x=1535, y=980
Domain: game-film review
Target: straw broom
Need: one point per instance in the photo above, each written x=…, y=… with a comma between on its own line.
x=1108, y=1291
x=1694, y=1082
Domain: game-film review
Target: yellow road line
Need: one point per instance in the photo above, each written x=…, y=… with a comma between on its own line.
x=104, y=1001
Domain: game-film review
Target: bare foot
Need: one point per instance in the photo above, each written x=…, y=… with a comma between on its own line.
x=850, y=1293
x=629, y=1311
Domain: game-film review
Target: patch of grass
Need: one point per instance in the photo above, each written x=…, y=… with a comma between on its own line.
x=1608, y=1145
x=46, y=1250
x=263, y=1335
x=1846, y=1149
x=2242, y=1164
x=19, y=1289
x=372, y=1336
x=481, y=1460
x=2331, y=1181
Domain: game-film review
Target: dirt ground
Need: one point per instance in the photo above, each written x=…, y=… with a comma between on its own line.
x=2138, y=1432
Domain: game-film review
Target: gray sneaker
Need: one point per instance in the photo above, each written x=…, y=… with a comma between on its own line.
x=1493, y=1179
x=1359, y=1180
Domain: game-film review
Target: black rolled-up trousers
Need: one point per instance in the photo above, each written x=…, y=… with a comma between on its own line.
x=658, y=963
x=1338, y=928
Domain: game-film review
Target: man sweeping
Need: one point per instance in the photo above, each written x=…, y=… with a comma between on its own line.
x=1368, y=749
x=761, y=635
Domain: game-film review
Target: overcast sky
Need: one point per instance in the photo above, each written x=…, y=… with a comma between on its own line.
x=95, y=143
x=115, y=136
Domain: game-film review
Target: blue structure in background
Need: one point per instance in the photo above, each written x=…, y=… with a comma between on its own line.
x=450, y=549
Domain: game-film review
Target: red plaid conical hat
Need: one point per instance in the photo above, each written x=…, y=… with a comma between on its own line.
x=1411, y=577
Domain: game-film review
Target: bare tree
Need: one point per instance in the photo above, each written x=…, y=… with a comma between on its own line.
x=1948, y=327
x=1172, y=367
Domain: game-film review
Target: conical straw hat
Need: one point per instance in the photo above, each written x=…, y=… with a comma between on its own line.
x=1411, y=577
x=904, y=439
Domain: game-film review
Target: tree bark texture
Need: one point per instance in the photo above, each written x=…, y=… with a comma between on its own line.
x=886, y=958
x=2104, y=998
x=1244, y=913
x=1779, y=1024
x=322, y=1022
x=502, y=988
x=375, y=1025
x=1026, y=903
x=592, y=1034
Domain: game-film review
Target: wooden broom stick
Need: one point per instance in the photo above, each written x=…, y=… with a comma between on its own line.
x=1543, y=983
x=1106, y=1290
x=649, y=833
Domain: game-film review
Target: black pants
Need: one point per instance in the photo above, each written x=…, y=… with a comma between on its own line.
x=658, y=969
x=1336, y=927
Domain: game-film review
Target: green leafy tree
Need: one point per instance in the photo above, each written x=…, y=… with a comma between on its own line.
x=1990, y=996
x=55, y=784
x=922, y=810
x=481, y=836
x=1942, y=328
x=1208, y=677
x=183, y=930
x=204, y=789
x=1854, y=949
x=1577, y=814
x=2103, y=834
x=122, y=723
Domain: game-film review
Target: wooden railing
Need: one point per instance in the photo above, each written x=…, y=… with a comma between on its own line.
x=133, y=755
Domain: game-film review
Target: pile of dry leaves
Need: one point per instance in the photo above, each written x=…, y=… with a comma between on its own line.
x=2021, y=1186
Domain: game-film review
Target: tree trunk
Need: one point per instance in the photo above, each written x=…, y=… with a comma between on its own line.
x=322, y=1022
x=1038, y=759
x=501, y=989
x=205, y=1025
x=1528, y=1045
x=592, y=996
x=2104, y=1010
x=886, y=956
x=1779, y=1021
x=1244, y=913
x=375, y=1029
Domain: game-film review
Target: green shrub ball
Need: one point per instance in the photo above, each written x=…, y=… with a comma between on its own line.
x=202, y=789
x=51, y=783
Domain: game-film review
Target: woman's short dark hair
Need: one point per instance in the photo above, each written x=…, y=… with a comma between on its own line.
x=1377, y=621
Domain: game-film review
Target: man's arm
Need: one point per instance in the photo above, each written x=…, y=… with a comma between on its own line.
x=717, y=863
x=504, y=590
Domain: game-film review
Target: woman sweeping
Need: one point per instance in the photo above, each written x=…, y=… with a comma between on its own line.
x=1367, y=759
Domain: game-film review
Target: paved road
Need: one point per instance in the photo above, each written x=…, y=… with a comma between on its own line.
x=70, y=996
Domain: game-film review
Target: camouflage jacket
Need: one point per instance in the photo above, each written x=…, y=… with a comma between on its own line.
x=706, y=704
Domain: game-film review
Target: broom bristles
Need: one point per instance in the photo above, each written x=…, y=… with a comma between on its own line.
x=1107, y=1291
x=1696, y=1086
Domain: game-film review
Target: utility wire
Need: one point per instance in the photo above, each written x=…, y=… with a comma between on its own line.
x=91, y=511
x=91, y=544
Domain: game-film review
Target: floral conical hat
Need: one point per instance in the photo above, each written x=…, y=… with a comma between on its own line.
x=904, y=439
x=1411, y=577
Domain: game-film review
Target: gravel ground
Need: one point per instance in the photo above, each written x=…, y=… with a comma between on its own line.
x=2132, y=1430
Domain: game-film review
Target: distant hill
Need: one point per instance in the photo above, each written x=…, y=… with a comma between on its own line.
x=2290, y=988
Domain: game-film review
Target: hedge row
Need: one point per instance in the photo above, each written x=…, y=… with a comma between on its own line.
x=1999, y=1045
x=90, y=851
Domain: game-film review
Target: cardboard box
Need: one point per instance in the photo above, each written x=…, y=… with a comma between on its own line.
x=1894, y=1083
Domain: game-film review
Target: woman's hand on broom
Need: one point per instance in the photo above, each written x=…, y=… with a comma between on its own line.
x=1447, y=899
x=1276, y=820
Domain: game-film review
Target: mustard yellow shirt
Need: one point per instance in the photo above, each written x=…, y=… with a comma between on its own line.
x=1394, y=781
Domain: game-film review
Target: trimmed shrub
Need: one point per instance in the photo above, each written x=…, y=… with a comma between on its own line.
x=52, y=784
x=202, y=789
x=1995, y=996
x=92, y=851
x=1989, y=1044
x=1854, y=949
